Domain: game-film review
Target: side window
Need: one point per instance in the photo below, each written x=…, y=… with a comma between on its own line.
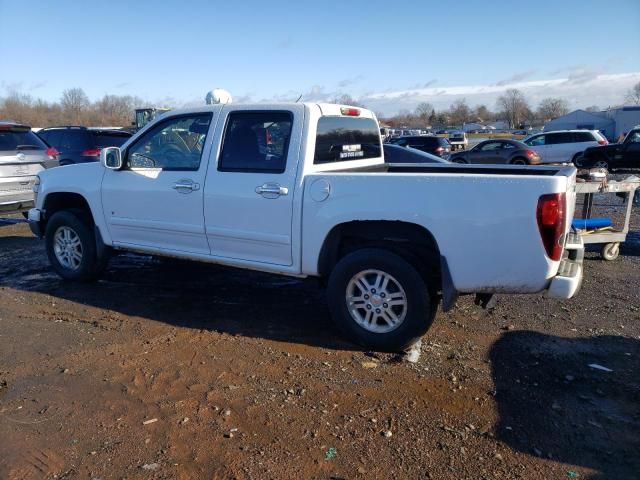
x=508, y=146
x=487, y=147
x=256, y=142
x=633, y=137
x=175, y=144
x=557, y=138
x=536, y=141
x=54, y=138
x=584, y=137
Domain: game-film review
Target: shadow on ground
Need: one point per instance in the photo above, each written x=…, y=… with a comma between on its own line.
x=552, y=404
x=184, y=294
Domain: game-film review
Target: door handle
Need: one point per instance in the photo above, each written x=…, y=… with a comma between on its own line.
x=186, y=186
x=271, y=190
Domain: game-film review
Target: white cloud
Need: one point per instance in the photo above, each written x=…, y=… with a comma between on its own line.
x=581, y=88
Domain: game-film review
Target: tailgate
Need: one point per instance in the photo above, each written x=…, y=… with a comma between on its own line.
x=17, y=173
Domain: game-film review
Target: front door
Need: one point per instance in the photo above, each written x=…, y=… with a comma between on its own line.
x=248, y=202
x=155, y=201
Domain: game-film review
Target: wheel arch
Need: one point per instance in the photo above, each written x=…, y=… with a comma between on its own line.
x=71, y=201
x=413, y=242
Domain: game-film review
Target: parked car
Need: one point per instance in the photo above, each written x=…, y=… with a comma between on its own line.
x=564, y=146
x=82, y=144
x=434, y=145
x=458, y=140
x=22, y=156
x=498, y=151
x=398, y=154
x=520, y=132
x=389, y=240
x=613, y=156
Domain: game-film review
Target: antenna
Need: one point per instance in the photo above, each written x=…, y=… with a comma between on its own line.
x=299, y=98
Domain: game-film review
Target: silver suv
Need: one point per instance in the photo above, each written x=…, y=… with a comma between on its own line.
x=22, y=155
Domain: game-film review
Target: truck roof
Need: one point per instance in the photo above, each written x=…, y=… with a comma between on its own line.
x=327, y=109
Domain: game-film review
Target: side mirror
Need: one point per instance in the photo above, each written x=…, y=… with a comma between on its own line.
x=111, y=158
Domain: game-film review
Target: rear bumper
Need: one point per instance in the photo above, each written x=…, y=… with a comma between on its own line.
x=15, y=205
x=568, y=280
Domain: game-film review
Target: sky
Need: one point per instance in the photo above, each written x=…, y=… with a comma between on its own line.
x=388, y=55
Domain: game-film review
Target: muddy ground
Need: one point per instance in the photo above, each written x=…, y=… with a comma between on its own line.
x=194, y=371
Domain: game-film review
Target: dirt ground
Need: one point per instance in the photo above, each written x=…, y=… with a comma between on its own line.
x=187, y=371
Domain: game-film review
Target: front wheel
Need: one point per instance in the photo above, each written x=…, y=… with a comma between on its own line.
x=71, y=247
x=380, y=300
x=601, y=164
x=578, y=159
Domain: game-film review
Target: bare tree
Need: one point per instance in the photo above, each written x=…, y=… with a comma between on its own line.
x=483, y=114
x=459, y=112
x=633, y=95
x=73, y=102
x=514, y=107
x=346, y=99
x=551, y=108
x=423, y=111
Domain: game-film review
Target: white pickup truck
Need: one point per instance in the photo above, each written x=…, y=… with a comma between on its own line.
x=303, y=190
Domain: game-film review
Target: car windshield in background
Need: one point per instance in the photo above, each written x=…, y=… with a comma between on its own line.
x=341, y=139
x=20, y=140
x=110, y=139
x=397, y=154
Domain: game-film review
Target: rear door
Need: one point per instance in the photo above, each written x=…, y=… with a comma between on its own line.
x=155, y=201
x=248, y=201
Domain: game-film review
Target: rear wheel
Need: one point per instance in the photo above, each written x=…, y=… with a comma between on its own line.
x=459, y=160
x=519, y=161
x=71, y=247
x=380, y=300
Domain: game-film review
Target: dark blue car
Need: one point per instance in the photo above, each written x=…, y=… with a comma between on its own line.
x=82, y=144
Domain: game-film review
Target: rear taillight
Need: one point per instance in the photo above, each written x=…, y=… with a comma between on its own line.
x=52, y=152
x=531, y=153
x=551, y=215
x=440, y=150
x=603, y=142
x=92, y=152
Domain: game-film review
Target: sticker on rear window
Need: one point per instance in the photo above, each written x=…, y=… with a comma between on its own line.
x=352, y=151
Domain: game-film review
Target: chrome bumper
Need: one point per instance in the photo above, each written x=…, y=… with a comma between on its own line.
x=568, y=280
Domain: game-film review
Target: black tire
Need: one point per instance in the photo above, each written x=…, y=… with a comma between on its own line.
x=577, y=159
x=610, y=251
x=419, y=311
x=89, y=265
x=460, y=160
x=601, y=163
x=519, y=161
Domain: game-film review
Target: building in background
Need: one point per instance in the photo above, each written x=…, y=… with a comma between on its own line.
x=611, y=122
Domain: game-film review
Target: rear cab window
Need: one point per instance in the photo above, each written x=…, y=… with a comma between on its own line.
x=110, y=139
x=346, y=138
